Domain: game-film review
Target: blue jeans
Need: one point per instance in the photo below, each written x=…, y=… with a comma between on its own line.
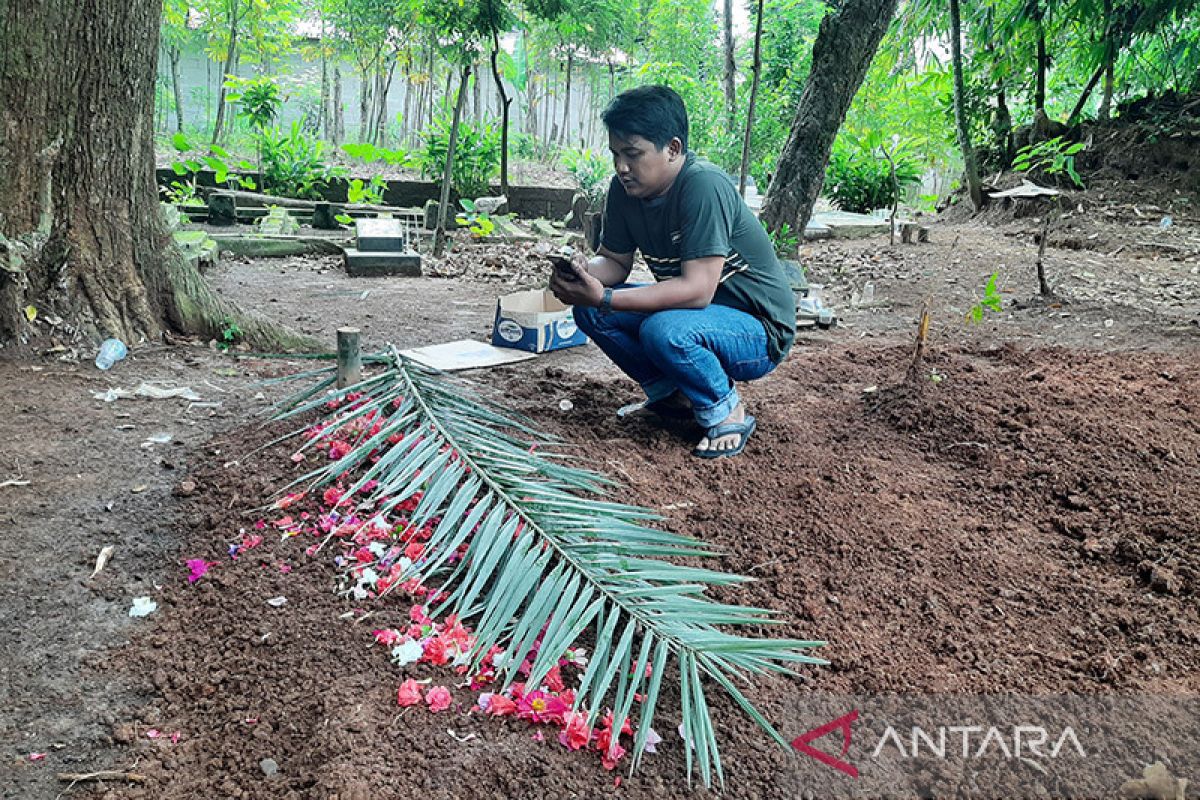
x=700, y=352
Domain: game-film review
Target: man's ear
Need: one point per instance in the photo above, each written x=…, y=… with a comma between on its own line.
x=674, y=148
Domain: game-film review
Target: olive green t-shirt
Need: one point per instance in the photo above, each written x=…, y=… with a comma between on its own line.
x=701, y=215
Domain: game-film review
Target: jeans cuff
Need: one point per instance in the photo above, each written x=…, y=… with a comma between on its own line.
x=658, y=389
x=716, y=414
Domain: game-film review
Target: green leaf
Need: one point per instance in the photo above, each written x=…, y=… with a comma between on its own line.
x=523, y=544
x=181, y=143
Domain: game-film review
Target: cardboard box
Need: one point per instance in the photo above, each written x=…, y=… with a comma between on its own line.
x=535, y=321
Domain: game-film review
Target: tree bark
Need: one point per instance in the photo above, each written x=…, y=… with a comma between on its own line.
x=1109, y=57
x=173, y=55
x=366, y=116
x=1073, y=117
x=745, y=168
x=230, y=62
x=1039, y=92
x=970, y=165
x=504, y=104
x=439, y=235
x=731, y=64
x=339, y=118
x=566, y=124
x=1003, y=128
x=324, y=123
x=846, y=43
x=81, y=235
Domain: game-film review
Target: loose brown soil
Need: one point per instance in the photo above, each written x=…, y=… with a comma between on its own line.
x=1021, y=520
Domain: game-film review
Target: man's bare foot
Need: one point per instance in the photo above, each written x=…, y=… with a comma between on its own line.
x=730, y=441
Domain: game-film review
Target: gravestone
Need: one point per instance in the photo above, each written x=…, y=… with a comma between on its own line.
x=325, y=216
x=222, y=209
x=278, y=222
x=382, y=250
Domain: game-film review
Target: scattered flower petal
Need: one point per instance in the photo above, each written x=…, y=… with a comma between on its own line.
x=407, y=653
x=196, y=568
x=142, y=606
x=409, y=693
x=438, y=699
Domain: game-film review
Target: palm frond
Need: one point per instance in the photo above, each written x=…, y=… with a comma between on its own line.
x=546, y=558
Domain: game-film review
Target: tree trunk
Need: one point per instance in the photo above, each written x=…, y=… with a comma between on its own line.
x=476, y=104
x=745, y=168
x=325, y=123
x=504, y=103
x=230, y=61
x=566, y=123
x=366, y=116
x=439, y=235
x=1039, y=93
x=383, y=86
x=339, y=117
x=85, y=238
x=731, y=65
x=1002, y=130
x=1073, y=117
x=970, y=166
x=846, y=43
x=1110, y=51
x=173, y=55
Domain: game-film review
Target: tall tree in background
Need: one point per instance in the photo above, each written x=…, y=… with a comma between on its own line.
x=175, y=16
x=81, y=235
x=846, y=43
x=374, y=33
x=754, y=81
x=970, y=166
x=460, y=27
x=729, y=75
x=497, y=18
x=222, y=19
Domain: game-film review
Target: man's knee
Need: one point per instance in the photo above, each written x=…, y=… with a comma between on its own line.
x=587, y=318
x=668, y=331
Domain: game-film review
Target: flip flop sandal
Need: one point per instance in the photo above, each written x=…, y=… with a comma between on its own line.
x=743, y=429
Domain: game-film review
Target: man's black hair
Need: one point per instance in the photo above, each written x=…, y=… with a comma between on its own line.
x=656, y=113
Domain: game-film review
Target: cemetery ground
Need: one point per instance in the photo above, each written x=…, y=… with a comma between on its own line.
x=1021, y=518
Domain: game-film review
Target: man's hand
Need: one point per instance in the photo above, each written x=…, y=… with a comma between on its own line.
x=572, y=284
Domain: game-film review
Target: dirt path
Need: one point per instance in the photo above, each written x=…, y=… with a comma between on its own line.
x=937, y=540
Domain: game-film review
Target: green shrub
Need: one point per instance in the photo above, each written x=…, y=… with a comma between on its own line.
x=592, y=173
x=476, y=155
x=257, y=99
x=293, y=163
x=859, y=179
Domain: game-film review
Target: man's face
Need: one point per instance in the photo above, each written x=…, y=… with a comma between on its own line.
x=644, y=170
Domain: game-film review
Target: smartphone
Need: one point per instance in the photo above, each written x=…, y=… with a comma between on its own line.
x=562, y=265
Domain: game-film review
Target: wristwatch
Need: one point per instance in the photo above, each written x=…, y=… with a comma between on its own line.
x=606, y=301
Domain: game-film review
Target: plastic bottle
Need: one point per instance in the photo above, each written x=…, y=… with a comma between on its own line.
x=868, y=294
x=111, y=351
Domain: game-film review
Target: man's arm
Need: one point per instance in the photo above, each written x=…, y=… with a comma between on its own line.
x=610, y=268
x=693, y=289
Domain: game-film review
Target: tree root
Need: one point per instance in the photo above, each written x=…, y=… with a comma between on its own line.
x=194, y=308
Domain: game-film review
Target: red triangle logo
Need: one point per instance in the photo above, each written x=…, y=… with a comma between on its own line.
x=801, y=743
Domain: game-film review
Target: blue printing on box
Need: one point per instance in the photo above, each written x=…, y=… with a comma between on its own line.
x=554, y=335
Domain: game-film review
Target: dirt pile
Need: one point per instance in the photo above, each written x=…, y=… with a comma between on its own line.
x=938, y=539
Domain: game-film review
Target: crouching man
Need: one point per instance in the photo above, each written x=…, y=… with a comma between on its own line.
x=721, y=309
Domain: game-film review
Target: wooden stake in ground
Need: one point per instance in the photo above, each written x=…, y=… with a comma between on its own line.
x=1043, y=286
x=913, y=376
x=349, y=357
